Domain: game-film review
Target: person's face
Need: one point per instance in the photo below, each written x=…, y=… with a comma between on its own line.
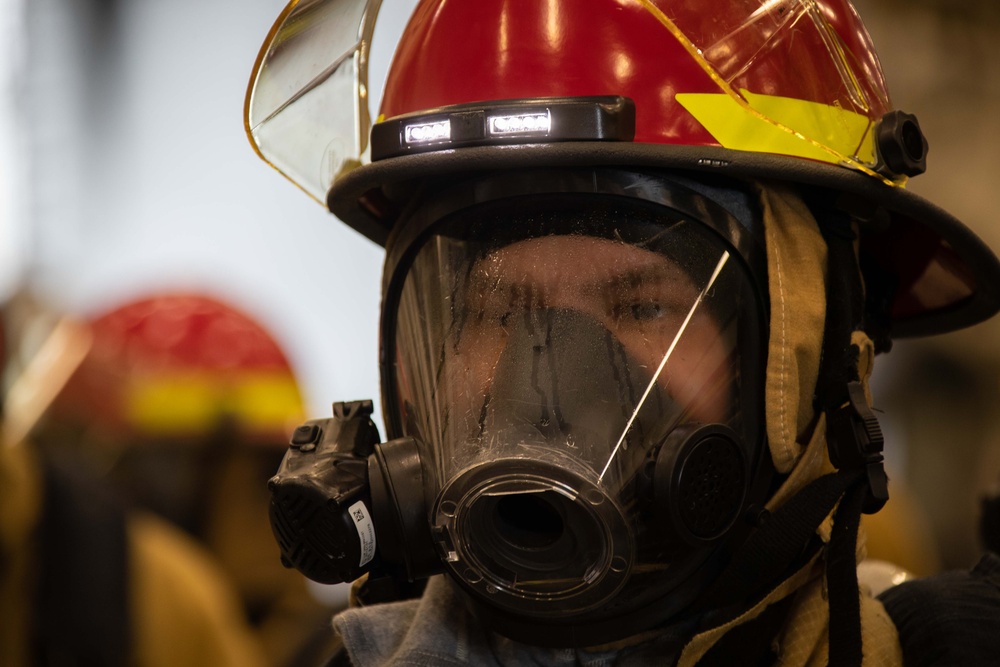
x=645, y=300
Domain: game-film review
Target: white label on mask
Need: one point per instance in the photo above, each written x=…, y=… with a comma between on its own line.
x=366, y=530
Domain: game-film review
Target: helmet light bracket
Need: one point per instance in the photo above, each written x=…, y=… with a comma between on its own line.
x=541, y=120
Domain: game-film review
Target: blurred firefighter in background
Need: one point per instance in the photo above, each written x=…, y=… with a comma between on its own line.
x=185, y=404
x=83, y=579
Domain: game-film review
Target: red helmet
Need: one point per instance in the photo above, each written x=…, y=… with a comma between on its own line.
x=751, y=88
x=174, y=366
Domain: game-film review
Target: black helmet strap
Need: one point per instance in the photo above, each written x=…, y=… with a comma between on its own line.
x=853, y=434
x=854, y=438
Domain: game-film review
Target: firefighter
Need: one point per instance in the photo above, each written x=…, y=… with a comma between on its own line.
x=186, y=403
x=640, y=257
x=84, y=580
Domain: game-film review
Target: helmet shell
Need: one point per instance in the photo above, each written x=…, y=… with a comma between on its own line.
x=631, y=48
x=175, y=365
x=788, y=91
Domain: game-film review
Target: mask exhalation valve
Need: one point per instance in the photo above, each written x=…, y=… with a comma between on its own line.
x=525, y=530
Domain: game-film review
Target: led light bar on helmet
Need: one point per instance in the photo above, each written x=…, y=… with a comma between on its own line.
x=427, y=133
x=502, y=122
x=529, y=123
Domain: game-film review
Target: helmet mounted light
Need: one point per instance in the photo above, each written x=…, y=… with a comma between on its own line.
x=506, y=122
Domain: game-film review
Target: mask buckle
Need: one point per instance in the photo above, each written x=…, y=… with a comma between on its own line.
x=855, y=442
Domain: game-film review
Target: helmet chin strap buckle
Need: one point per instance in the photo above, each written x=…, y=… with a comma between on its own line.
x=855, y=442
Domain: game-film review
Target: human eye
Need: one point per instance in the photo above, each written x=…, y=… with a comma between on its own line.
x=642, y=305
x=640, y=312
x=646, y=311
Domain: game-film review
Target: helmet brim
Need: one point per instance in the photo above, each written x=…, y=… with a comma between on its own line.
x=367, y=199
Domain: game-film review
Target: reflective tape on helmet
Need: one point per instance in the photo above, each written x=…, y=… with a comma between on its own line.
x=822, y=132
x=195, y=402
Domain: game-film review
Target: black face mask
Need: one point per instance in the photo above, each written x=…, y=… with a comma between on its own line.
x=578, y=395
x=560, y=499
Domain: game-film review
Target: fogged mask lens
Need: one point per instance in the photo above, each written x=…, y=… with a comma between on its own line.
x=543, y=373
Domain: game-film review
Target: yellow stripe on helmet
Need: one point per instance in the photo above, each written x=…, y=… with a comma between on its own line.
x=847, y=133
x=193, y=403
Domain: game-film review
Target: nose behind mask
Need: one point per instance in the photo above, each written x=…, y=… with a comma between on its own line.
x=527, y=522
x=565, y=383
x=567, y=392
x=542, y=520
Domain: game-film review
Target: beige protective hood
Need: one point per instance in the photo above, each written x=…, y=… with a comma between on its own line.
x=797, y=273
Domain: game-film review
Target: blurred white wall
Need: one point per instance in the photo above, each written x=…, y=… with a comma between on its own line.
x=141, y=179
x=13, y=230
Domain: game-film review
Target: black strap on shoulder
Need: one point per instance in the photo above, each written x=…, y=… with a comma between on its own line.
x=842, y=579
x=772, y=552
x=785, y=542
x=82, y=606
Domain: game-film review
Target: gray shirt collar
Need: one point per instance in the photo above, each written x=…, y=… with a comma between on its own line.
x=438, y=631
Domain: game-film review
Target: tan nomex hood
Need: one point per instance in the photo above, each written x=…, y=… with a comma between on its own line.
x=797, y=276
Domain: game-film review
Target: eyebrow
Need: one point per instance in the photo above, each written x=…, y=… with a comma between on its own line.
x=631, y=277
x=645, y=275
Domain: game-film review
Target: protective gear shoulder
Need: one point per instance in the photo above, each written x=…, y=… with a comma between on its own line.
x=949, y=619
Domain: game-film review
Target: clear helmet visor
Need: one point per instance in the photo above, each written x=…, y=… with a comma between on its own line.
x=552, y=375
x=307, y=104
x=306, y=109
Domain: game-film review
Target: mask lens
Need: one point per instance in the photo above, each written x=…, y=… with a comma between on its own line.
x=544, y=369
